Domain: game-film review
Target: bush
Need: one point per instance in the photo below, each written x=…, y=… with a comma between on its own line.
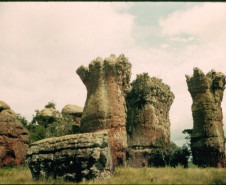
x=36, y=132
x=22, y=119
x=169, y=154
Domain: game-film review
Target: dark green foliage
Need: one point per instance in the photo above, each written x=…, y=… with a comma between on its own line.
x=62, y=126
x=189, y=132
x=169, y=154
x=22, y=119
x=42, y=120
x=51, y=105
x=140, y=90
x=42, y=127
x=36, y=132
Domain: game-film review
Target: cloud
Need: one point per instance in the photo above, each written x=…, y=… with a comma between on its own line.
x=206, y=22
x=43, y=43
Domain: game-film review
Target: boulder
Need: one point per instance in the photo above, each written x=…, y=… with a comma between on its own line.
x=207, y=138
x=72, y=110
x=74, y=157
x=13, y=138
x=106, y=82
x=148, y=104
x=4, y=106
x=49, y=112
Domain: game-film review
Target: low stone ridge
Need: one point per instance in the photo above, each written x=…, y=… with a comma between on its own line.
x=207, y=138
x=74, y=157
x=13, y=137
x=148, y=105
x=106, y=82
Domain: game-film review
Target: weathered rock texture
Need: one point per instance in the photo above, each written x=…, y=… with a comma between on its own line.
x=148, y=105
x=73, y=112
x=106, y=82
x=73, y=157
x=207, y=139
x=13, y=137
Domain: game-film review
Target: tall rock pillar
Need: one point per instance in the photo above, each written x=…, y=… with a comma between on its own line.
x=106, y=82
x=207, y=139
x=148, y=105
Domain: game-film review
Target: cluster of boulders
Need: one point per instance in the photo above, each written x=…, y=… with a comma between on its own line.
x=121, y=123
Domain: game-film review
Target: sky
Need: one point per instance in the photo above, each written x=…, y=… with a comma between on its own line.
x=43, y=43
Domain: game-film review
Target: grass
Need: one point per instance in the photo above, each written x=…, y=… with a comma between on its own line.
x=127, y=175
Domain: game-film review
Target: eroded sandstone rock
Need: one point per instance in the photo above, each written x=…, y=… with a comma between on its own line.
x=73, y=112
x=73, y=157
x=13, y=137
x=207, y=139
x=106, y=82
x=148, y=105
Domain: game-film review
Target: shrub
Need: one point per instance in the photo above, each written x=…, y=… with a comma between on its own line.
x=169, y=154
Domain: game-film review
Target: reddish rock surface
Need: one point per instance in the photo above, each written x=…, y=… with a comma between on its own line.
x=148, y=105
x=106, y=82
x=207, y=138
x=13, y=138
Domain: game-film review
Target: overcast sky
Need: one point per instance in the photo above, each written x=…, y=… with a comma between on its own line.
x=42, y=45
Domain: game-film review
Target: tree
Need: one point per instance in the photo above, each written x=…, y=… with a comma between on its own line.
x=169, y=154
x=22, y=119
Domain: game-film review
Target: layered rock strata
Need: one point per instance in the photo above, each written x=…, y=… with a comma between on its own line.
x=74, y=157
x=148, y=105
x=207, y=138
x=13, y=137
x=106, y=82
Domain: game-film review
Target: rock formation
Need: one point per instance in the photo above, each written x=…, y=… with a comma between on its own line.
x=148, y=105
x=207, y=138
x=13, y=137
x=73, y=112
x=47, y=115
x=73, y=157
x=106, y=82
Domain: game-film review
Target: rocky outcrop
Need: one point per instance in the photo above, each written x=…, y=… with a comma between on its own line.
x=73, y=112
x=106, y=82
x=13, y=137
x=207, y=138
x=74, y=157
x=148, y=105
x=47, y=115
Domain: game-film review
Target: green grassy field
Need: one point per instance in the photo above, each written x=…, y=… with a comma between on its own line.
x=126, y=175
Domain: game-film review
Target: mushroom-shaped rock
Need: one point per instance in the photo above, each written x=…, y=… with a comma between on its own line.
x=207, y=139
x=72, y=110
x=106, y=82
x=13, y=138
